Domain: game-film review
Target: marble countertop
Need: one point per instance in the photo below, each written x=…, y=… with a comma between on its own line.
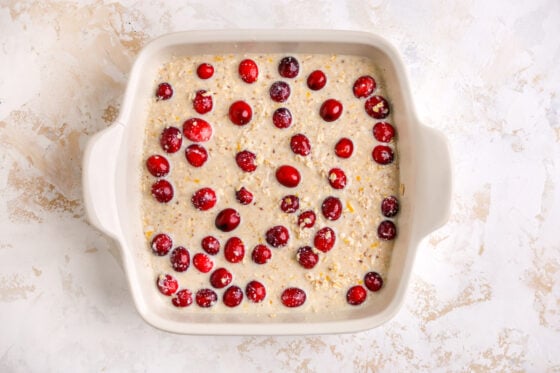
x=485, y=291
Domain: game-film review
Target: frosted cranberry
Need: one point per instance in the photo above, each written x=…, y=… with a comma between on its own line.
x=373, y=281
x=256, y=292
x=183, y=298
x=261, y=254
x=356, y=295
x=282, y=118
x=210, y=244
x=164, y=91
x=331, y=110
x=387, y=230
x=337, y=178
x=289, y=204
x=390, y=206
x=157, y=165
x=248, y=71
x=293, y=297
x=202, y=102
x=196, y=155
x=162, y=191
x=377, y=107
x=234, y=250
x=306, y=257
x=331, y=208
x=240, y=113
x=227, y=220
x=288, y=176
x=288, y=67
x=244, y=196
x=171, y=139
x=206, y=298
x=233, y=296
x=300, y=144
x=180, y=259
x=382, y=154
x=197, y=130
x=204, y=199
x=205, y=71
x=364, y=86
x=161, y=244
x=383, y=132
x=344, y=148
x=279, y=91
x=325, y=239
x=306, y=219
x=277, y=236
x=316, y=80
x=167, y=284
x=246, y=161
x=202, y=262
x=220, y=278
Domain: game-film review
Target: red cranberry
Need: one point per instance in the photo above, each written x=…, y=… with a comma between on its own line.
x=289, y=204
x=171, y=139
x=202, y=262
x=157, y=165
x=364, y=86
x=356, y=295
x=167, y=284
x=261, y=254
x=205, y=71
x=233, y=296
x=196, y=155
x=279, y=91
x=246, y=161
x=204, y=199
x=248, y=71
x=288, y=67
x=288, y=176
x=382, y=154
x=197, y=130
x=316, y=80
x=244, y=196
x=164, y=91
x=240, y=113
x=337, y=178
x=277, y=236
x=220, y=278
x=331, y=208
x=373, y=281
x=383, y=132
x=344, y=148
x=183, y=298
x=202, y=102
x=180, y=259
x=300, y=144
x=161, y=244
x=210, y=244
x=206, y=298
x=325, y=239
x=293, y=297
x=387, y=230
x=377, y=107
x=227, y=220
x=306, y=219
x=162, y=191
x=234, y=250
x=306, y=257
x=390, y=206
x=282, y=118
x=256, y=292
x=331, y=110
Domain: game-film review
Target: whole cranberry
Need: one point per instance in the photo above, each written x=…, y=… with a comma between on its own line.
x=210, y=244
x=204, y=199
x=183, y=298
x=356, y=295
x=282, y=118
x=306, y=219
x=293, y=297
x=205, y=71
x=180, y=259
x=325, y=239
x=337, y=178
x=196, y=155
x=206, y=298
x=233, y=296
x=197, y=130
x=279, y=91
x=227, y=220
x=377, y=107
x=316, y=80
x=390, y=206
x=289, y=204
x=261, y=254
x=344, y=148
x=248, y=71
x=164, y=91
x=306, y=257
x=373, y=281
x=171, y=139
x=331, y=208
x=234, y=250
x=202, y=262
x=331, y=110
x=202, y=102
x=220, y=278
x=240, y=113
x=246, y=160
x=382, y=154
x=364, y=86
x=386, y=230
x=256, y=292
x=383, y=132
x=167, y=284
x=288, y=176
x=161, y=244
x=157, y=165
x=288, y=67
x=277, y=236
x=162, y=191
x=300, y=144
x=244, y=196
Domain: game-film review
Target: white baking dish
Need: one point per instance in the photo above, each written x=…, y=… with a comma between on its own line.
x=112, y=193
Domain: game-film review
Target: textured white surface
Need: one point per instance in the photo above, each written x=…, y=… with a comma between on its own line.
x=485, y=293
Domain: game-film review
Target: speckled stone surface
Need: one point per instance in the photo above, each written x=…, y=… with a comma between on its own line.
x=485, y=292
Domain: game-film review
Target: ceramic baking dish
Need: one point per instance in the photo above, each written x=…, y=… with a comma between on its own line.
x=112, y=171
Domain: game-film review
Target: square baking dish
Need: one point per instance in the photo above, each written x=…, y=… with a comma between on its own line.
x=111, y=179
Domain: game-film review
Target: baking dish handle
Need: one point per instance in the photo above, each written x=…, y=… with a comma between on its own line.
x=435, y=180
x=99, y=173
